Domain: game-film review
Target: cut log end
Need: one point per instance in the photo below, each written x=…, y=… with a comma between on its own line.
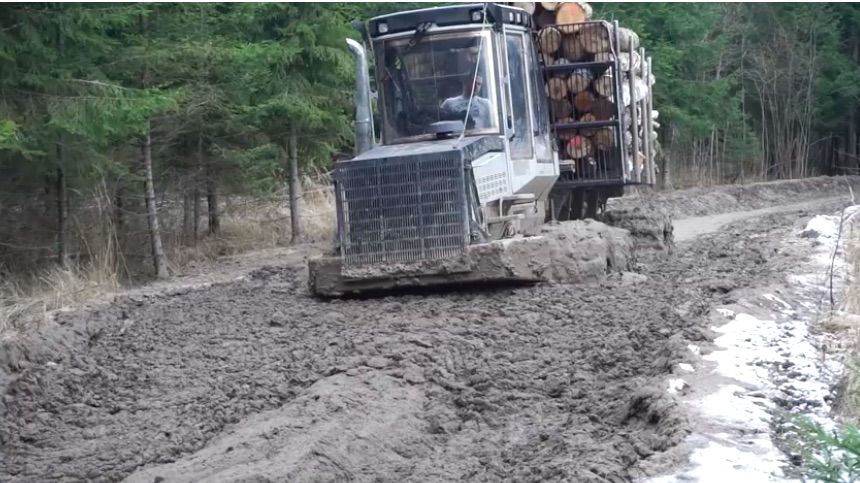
x=583, y=101
x=556, y=88
x=603, y=109
x=595, y=38
x=571, y=48
x=549, y=40
x=569, y=14
x=603, y=139
x=579, y=147
x=604, y=86
x=579, y=81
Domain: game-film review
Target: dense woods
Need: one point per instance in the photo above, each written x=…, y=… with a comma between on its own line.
x=136, y=137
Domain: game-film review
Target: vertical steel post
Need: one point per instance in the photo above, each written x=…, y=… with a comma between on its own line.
x=646, y=125
x=634, y=125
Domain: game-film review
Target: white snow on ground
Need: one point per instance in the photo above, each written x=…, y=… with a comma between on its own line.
x=775, y=364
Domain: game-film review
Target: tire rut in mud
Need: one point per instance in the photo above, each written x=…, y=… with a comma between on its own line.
x=552, y=383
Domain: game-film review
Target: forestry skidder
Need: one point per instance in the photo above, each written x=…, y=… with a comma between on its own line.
x=491, y=126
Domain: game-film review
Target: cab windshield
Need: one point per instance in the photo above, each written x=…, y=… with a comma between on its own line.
x=432, y=81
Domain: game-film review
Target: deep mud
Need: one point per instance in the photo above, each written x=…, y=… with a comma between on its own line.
x=256, y=381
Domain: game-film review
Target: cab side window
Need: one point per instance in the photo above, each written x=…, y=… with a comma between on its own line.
x=521, y=144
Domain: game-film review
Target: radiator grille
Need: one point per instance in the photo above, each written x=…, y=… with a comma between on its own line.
x=401, y=210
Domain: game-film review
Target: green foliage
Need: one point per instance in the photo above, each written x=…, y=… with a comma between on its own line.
x=221, y=85
x=830, y=457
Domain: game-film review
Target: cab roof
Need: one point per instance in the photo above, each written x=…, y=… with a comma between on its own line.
x=464, y=14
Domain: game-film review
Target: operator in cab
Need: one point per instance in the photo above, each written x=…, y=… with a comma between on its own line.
x=454, y=108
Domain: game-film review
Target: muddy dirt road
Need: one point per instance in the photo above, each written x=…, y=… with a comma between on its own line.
x=253, y=381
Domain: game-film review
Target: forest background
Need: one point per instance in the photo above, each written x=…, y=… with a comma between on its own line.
x=137, y=138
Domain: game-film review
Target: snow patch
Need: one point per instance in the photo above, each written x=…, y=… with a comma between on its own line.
x=676, y=385
x=786, y=307
x=775, y=363
x=726, y=312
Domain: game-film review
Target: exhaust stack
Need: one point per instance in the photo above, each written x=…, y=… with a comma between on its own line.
x=363, y=113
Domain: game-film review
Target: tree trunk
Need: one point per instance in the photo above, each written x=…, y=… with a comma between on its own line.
x=62, y=209
x=212, y=203
x=196, y=192
x=295, y=188
x=665, y=162
x=62, y=191
x=187, y=216
x=851, y=144
x=119, y=205
x=158, y=258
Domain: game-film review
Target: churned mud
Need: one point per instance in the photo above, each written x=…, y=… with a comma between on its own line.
x=256, y=381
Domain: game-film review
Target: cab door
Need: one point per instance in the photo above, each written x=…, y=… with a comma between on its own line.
x=518, y=122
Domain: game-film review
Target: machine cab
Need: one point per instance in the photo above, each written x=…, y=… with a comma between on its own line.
x=466, y=70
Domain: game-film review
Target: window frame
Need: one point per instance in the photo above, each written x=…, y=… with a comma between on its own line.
x=490, y=39
x=518, y=35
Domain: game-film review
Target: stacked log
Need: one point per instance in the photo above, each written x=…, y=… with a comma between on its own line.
x=568, y=34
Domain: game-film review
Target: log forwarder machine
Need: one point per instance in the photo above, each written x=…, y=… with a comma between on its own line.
x=469, y=166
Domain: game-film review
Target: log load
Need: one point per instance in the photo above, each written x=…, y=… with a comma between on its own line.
x=595, y=37
x=571, y=13
x=556, y=88
x=583, y=101
x=571, y=48
x=566, y=134
x=587, y=117
x=588, y=94
x=579, y=147
x=604, y=57
x=627, y=40
x=603, y=139
x=604, y=86
x=603, y=109
x=640, y=91
x=626, y=62
x=579, y=81
x=560, y=108
x=549, y=39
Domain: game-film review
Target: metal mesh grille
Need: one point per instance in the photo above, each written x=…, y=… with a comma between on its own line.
x=401, y=210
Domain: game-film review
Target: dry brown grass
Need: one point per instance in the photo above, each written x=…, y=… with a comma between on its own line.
x=246, y=225
x=846, y=325
x=29, y=297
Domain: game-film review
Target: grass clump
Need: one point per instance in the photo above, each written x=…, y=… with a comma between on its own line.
x=833, y=455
